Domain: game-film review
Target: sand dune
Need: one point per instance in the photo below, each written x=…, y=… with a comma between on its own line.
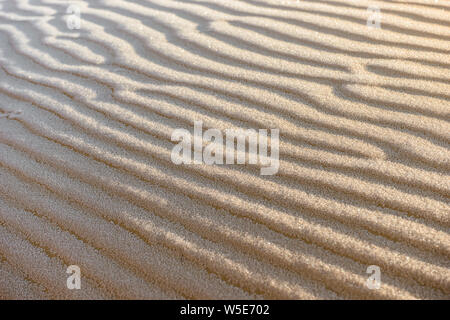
x=87, y=114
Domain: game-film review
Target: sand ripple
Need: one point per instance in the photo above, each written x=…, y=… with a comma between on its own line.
x=86, y=118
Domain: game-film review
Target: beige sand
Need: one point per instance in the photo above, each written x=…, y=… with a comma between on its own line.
x=86, y=117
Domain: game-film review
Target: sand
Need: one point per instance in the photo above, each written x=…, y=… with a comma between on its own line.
x=86, y=117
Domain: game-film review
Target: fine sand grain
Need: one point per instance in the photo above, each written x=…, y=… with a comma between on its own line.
x=86, y=177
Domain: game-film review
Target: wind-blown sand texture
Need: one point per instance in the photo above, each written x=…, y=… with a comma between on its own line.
x=85, y=142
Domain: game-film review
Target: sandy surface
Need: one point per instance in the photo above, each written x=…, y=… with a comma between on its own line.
x=86, y=178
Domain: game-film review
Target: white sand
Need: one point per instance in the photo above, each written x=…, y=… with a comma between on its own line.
x=86, y=118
